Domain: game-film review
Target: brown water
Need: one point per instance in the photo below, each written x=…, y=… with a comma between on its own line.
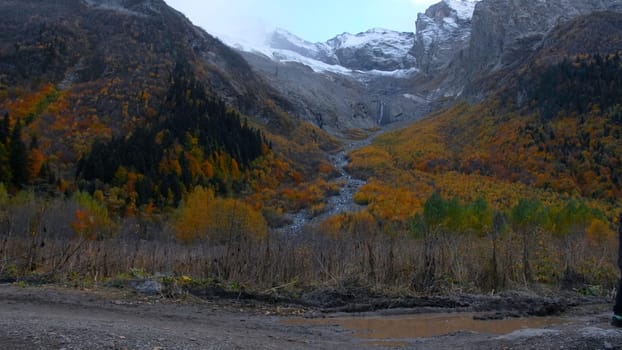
x=427, y=325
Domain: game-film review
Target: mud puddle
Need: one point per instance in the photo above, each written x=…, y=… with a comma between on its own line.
x=427, y=325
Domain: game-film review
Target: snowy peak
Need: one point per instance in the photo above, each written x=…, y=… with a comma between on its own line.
x=442, y=31
x=283, y=40
x=379, y=51
x=373, y=37
x=463, y=8
x=375, y=49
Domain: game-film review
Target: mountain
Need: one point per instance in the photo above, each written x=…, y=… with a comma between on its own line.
x=349, y=82
x=74, y=43
x=130, y=94
x=442, y=31
x=506, y=33
x=376, y=51
x=551, y=132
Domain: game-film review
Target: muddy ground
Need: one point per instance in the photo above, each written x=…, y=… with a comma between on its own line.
x=52, y=317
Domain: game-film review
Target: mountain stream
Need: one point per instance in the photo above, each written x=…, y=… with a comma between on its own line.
x=344, y=201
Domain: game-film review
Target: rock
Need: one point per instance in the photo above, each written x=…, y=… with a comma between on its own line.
x=507, y=31
x=504, y=34
x=147, y=287
x=442, y=32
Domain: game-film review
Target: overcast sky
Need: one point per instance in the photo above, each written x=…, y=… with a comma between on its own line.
x=312, y=20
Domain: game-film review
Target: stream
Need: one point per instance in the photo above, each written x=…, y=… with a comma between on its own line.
x=344, y=201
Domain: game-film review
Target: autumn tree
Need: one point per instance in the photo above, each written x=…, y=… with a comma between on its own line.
x=203, y=216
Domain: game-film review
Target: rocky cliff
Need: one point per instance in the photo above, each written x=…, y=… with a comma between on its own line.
x=442, y=31
x=504, y=35
x=505, y=32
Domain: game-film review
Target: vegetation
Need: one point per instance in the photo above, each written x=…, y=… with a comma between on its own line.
x=158, y=175
x=450, y=245
x=194, y=141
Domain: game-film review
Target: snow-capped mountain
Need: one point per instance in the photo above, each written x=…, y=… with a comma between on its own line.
x=376, y=51
x=384, y=76
x=442, y=31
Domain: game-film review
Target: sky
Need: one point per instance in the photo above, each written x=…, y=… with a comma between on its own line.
x=312, y=20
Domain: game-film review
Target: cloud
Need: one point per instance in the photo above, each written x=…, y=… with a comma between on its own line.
x=226, y=18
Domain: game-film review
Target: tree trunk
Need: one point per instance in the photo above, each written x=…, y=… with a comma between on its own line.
x=371, y=261
x=495, y=274
x=617, y=309
x=526, y=267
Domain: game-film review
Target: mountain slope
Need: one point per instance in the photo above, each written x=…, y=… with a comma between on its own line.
x=76, y=42
x=505, y=34
x=111, y=61
x=553, y=133
x=77, y=73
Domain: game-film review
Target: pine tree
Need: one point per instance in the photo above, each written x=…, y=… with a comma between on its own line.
x=18, y=157
x=5, y=129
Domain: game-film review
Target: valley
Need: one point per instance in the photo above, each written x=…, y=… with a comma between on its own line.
x=154, y=176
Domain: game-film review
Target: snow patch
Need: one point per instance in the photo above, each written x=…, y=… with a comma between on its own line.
x=415, y=98
x=315, y=65
x=401, y=42
x=398, y=73
x=464, y=8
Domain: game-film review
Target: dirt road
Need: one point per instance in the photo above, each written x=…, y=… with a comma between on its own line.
x=57, y=318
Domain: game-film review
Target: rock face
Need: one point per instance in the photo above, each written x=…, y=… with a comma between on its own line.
x=470, y=59
x=576, y=37
x=123, y=47
x=375, y=49
x=442, y=31
x=505, y=32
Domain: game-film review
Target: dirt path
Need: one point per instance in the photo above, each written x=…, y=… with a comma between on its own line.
x=51, y=318
x=55, y=318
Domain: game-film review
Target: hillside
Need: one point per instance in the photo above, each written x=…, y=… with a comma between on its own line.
x=89, y=81
x=553, y=131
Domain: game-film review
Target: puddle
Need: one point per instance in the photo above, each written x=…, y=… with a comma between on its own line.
x=427, y=325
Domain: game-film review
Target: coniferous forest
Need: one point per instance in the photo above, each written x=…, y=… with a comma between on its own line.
x=194, y=140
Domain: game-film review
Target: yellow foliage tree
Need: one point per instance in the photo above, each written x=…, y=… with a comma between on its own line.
x=191, y=221
x=224, y=220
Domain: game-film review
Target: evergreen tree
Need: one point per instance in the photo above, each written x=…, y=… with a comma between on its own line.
x=18, y=157
x=6, y=175
x=5, y=129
